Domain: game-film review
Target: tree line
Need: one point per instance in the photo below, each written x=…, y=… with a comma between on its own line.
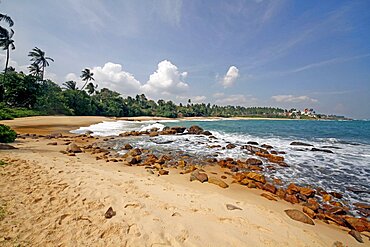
x=24, y=94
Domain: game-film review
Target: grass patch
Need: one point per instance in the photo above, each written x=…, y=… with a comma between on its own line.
x=7, y=113
x=3, y=163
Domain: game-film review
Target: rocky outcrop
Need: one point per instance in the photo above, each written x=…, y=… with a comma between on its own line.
x=195, y=130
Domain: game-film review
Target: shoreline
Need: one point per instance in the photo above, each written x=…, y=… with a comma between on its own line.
x=171, y=201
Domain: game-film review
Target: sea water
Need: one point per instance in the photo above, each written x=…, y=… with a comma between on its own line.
x=346, y=170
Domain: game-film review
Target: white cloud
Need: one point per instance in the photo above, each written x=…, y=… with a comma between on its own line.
x=234, y=99
x=12, y=63
x=167, y=79
x=230, y=77
x=293, y=99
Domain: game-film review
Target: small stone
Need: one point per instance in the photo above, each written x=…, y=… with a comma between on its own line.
x=232, y=207
x=52, y=143
x=127, y=146
x=201, y=177
x=299, y=216
x=163, y=172
x=73, y=148
x=230, y=146
x=110, y=213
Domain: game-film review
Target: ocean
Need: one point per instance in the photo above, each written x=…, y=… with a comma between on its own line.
x=346, y=170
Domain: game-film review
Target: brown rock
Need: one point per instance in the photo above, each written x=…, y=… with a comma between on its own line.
x=292, y=189
x=291, y=198
x=153, y=134
x=6, y=147
x=181, y=163
x=163, y=172
x=256, y=177
x=134, y=152
x=359, y=224
x=52, y=143
x=219, y=182
x=132, y=160
x=271, y=157
x=223, y=177
x=127, y=146
x=326, y=198
x=336, y=219
x=110, y=213
x=314, y=205
x=270, y=188
x=268, y=196
x=299, y=216
x=336, y=194
x=178, y=129
x=267, y=146
x=356, y=235
x=278, y=181
x=73, y=148
x=230, y=146
x=253, y=161
x=196, y=175
x=362, y=205
x=308, y=192
x=309, y=212
x=280, y=193
x=232, y=207
x=195, y=130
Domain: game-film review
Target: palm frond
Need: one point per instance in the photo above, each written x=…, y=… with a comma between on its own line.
x=7, y=19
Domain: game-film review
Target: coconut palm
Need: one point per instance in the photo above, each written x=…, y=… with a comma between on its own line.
x=90, y=88
x=38, y=58
x=35, y=70
x=7, y=43
x=7, y=19
x=71, y=85
x=86, y=76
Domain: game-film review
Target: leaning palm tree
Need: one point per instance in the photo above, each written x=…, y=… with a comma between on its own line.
x=87, y=76
x=7, y=43
x=71, y=85
x=35, y=70
x=38, y=57
x=7, y=19
x=90, y=88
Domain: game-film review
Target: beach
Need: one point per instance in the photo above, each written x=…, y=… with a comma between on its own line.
x=52, y=198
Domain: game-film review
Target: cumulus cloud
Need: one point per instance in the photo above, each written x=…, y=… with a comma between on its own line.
x=167, y=79
x=293, y=99
x=230, y=77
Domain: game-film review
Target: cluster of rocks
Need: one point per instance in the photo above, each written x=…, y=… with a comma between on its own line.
x=193, y=130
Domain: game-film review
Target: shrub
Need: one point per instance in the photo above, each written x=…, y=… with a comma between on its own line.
x=7, y=134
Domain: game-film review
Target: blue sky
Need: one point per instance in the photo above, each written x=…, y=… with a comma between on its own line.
x=254, y=53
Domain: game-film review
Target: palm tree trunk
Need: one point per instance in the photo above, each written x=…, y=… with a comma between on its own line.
x=42, y=74
x=84, y=85
x=6, y=64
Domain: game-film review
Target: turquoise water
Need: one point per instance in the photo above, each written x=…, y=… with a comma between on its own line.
x=346, y=170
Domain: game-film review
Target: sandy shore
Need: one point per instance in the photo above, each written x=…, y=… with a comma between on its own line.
x=51, y=199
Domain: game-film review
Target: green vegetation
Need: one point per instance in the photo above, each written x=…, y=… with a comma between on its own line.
x=7, y=134
x=3, y=163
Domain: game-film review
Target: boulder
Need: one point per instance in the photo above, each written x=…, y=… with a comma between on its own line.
x=308, y=192
x=281, y=193
x=256, y=177
x=73, y=148
x=336, y=194
x=132, y=160
x=253, y=161
x=254, y=149
x=297, y=215
x=127, y=146
x=266, y=146
x=206, y=133
x=52, y=143
x=230, y=146
x=292, y=189
x=153, y=134
x=163, y=172
x=270, y=188
x=291, y=198
x=134, y=152
x=253, y=143
x=268, y=196
x=336, y=219
x=322, y=150
x=356, y=235
x=327, y=198
x=301, y=144
x=271, y=157
x=359, y=224
x=309, y=212
x=178, y=129
x=201, y=177
x=196, y=130
x=219, y=182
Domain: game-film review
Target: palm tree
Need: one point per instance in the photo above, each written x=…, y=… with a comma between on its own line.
x=86, y=76
x=7, y=19
x=71, y=85
x=7, y=43
x=35, y=70
x=38, y=57
x=91, y=88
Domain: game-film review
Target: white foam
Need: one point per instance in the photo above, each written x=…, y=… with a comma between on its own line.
x=152, y=126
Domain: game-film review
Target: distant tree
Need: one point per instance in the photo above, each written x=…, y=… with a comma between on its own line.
x=35, y=70
x=70, y=85
x=86, y=76
x=7, y=43
x=38, y=57
x=90, y=88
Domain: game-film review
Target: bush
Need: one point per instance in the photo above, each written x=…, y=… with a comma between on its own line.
x=7, y=134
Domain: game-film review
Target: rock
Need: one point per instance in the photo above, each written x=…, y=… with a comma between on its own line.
x=232, y=207
x=336, y=219
x=271, y=157
x=309, y=212
x=206, y=133
x=270, y=188
x=110, y=213
x=201, y=177
x=338, y=244
x=73, y=148
x=230, y=146
x=308, y=192
x=134, y=152
x=6, y=147
x=301, y=144
x=253, y=161
x=281, y=193
x=292, y=189
x=163, y=172
x=267, y=146
x=326, y=198
x=336, y=194
x=253, y=143
x=178, y=129
x=359, y=224
x=153, y=134
x=299, y=216
x=322, y=150
x=356, y=235
x=291, y=198
x=268, y=196
x=127, y=146
x=132, y=160
x=254, y=149
x=223, y=177
x=196, y=130
x=256, y=177
x=71, y=154
x=52, y=143
x=278, y=181
x=219, y=182
x=162, y=141
x=361, y=205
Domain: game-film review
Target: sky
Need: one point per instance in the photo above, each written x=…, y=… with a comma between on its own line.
x=281, y=53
